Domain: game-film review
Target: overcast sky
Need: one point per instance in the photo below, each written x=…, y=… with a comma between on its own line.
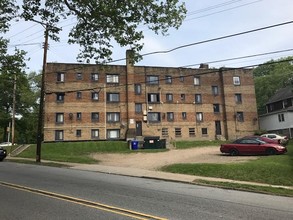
x=206, y=20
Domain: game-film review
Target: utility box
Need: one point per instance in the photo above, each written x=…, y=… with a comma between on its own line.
x=154, y=142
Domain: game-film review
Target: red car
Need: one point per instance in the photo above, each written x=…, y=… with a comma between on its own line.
x=249, y=146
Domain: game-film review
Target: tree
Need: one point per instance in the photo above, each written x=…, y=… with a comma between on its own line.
x=99, y=22
x=269, y=77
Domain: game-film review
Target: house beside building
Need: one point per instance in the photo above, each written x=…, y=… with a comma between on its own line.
x=279, y=113
x=86, y=102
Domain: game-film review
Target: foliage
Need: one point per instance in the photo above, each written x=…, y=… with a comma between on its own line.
x=101, y=22
x=270, y=77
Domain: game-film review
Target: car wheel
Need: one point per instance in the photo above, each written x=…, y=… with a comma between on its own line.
x=234, y=152
x=271, y=151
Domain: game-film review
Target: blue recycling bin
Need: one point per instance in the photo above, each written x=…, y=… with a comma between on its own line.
x=134, y=145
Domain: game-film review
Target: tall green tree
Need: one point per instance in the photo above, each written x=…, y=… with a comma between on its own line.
x=270, y=77
x=101, y=22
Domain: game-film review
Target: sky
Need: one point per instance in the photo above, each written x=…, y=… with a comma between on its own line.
x=206, y=20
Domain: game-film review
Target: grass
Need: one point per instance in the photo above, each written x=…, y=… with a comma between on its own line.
x=79, y=152
x=275, y=170
x=245, y=187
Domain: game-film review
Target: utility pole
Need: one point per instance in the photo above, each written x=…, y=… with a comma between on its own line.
x=13, y=110
x=40, y=133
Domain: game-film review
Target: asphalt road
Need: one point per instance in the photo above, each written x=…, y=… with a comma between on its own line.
x=40, y=192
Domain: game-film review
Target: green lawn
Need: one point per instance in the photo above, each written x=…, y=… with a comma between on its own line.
x=276, y=170
x=79, y=152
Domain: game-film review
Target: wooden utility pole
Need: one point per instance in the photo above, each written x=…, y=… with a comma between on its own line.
x=42, y=96
x=13, y=110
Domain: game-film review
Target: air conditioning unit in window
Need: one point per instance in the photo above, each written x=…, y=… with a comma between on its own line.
x=145, y=118
x=144, y=112
x=150, y=107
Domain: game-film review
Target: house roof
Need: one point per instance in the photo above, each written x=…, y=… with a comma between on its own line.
x=282, y=94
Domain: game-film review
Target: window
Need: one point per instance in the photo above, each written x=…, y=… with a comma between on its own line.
x=236, y=80
x=178, y=132
x=199, y=116
x=60, y=97
x=113, y=117
x=154, y=117
x=165, y=132
x=238, y=98
x=78, y=116
x=169, y=97
x=94, y=76
x=184, y=115
x=198, y=98
x=113, y=133
x=60, y=118
x=216, y=108
x=112, y=78
x=170, y=116
x=240, y=116
x=79, y=76
x=138, y=108
x=191, y=132
x=137, y=89
x=152, y=80
x=182, y=97
x=78, y=133
x=196, y=80
x=281, y=117
x=95, y=116
x=168, y=79
x=78, y=95
x=204, y=131
x=113, y=97
x=181, y=78
x=95, y=96
x=95, y=133
x=60, y=77
x=153, y=97
x=215, y=90
x=59, y=135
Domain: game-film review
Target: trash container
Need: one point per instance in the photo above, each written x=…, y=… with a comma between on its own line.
x=134, y=144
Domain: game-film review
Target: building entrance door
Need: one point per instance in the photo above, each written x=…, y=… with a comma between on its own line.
x=138, y=130
x=218, y=128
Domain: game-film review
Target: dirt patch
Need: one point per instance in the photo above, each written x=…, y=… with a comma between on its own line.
x=152, y=161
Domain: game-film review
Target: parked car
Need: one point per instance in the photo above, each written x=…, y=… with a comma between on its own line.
x=250, y=146
x=265, y=139
x=5, y=144
x=3, y=154
x=282, y=139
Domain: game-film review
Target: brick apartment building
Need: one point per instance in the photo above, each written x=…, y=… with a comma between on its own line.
x=105, y=102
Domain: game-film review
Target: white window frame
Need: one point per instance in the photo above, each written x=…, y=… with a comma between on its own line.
x=152, y=80
x=236, y=80
x=95, y=133
x=59, y=118
x=95, y=77
x=60, y=77
x=113, y=97
x=199, y=116
x=112, y=78
x=95, y=96
x=59, y=135
x=113, y=117
x=113, y=133
x=196, y=80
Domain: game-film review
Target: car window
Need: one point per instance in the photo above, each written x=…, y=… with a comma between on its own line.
x=272, y=136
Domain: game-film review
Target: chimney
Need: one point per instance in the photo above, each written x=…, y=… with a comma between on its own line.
x=204, y=66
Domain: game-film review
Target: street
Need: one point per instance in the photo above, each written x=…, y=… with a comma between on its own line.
x=41, y=192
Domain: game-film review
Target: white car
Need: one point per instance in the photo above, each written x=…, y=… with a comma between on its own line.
x=281, y=139
x=5, y=144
